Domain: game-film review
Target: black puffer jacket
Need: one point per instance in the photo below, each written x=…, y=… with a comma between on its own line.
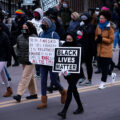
x=23, y=48
x=4, y=47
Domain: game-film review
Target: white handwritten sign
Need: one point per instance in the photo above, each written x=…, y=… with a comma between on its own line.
x=46, y=4
x=41, y=50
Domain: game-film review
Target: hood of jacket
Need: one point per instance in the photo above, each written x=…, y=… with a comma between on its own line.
x=40, y=11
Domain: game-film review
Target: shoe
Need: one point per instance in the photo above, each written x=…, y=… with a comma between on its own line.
x=113, y=77
x=17, y=98
x=81, y=80
x=8, y=93
x=43, y=102
x=37, y=76
x=98, y=72
x=88, y=82
x=102, y=85
x=62, y=114
x=78, y=111
x=32, y=97
x=50, y=89
x=15, y=64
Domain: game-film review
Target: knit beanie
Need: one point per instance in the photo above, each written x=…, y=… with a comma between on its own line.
x=19, y=12
x=104, y=8
x=48, y=21
x=76, y=15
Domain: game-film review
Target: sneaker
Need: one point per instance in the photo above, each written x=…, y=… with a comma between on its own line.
x=113, y=77
x=37, y=76
x=88, y=82
x=102, y=85
x=2, y=83
x=81, y=80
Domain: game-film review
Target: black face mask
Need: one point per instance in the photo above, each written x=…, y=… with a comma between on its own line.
x=43, y=27
x=69, y=44
x=24, y=32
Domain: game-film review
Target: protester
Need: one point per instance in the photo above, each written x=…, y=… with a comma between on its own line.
x=65, y=14
x=4, y=58
x=72, y=80
x=49, y=32
x=104, y=37
x=27, y=80
x=85, y=38
x=37, y=21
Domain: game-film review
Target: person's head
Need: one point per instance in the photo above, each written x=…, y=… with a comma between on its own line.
x=71, y=37
x=104, y=16
x=46, y=23
x=75, y=16
x=65, y=4
x=19, y=13
x=38, y=14
x=115, y=5
x=85, y=18
x=97, y=11
x=28, y=29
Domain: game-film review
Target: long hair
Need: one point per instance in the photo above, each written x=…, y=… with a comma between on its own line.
x=31, y=28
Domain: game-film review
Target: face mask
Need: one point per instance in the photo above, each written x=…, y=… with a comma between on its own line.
x=43, y=27
x=96, y=12
x=24, y=31
x=69, y=44
x=102, y=21
x=65, y=5
x=82, y=23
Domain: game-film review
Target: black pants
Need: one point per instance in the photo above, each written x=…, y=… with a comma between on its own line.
x=37, y=68
x=104, y=65
x=72, y=89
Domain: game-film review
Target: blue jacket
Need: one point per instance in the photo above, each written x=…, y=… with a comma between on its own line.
x=48, y=33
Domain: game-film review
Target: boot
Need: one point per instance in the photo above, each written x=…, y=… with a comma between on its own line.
x=62, y=114
x=63, y=96
x=8, y=93
x=17, y=98
x=43, y=102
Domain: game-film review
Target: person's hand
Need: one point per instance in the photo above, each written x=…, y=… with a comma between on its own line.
x=99, y=39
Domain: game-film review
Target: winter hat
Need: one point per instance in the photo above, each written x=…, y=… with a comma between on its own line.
x=40, y=11
x=76, y=15
x=19, y=12
x=73, y=34
x=104, y=8
x=48, y=21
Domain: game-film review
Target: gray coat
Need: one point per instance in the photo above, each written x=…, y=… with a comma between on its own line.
x=23, y=49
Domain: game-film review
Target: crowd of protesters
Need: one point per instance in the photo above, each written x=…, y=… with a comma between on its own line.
x=95, y=31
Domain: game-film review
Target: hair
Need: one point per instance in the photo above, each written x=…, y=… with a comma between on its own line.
x=31, y=28
x=106, y=14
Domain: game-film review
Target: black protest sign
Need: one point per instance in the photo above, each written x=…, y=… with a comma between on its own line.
x=67, y=58
x=46, y=4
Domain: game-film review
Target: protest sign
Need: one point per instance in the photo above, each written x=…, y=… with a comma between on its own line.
x=46, y=4
x=41, y=50
x=67, y=58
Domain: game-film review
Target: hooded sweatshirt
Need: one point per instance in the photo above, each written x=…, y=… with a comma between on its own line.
x=37, y=23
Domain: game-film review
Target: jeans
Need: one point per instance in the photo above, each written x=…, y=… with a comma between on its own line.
x=53, y=77
x=116, y=38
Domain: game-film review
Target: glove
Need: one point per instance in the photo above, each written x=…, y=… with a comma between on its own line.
x=99, y=39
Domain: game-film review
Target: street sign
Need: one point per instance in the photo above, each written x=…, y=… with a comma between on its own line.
x=46, y=4
x=67, y=58
x=41, y=50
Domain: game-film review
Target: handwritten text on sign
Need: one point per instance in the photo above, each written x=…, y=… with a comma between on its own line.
x=41, y=50
x=67, y=58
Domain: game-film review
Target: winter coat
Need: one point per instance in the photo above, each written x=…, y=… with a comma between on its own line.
x=104, y=48
x=4, y=47
x=87, y=42
x=23, y=49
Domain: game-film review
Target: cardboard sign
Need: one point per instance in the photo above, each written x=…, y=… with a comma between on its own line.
x=46, y=4
x=67, y=58
x=41, y=50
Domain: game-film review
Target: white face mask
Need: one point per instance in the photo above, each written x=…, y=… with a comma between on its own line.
x=65, y=5
x=82, y=23
x=96, y=12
